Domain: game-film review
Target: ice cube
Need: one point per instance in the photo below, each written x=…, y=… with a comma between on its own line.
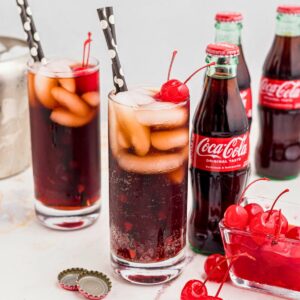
x=152, y=163
x=62, y=66
x=113, y=130
x=140, y=98
x=71, y=101
x=177, y=176
x=124, y=98
x=149, y=91
x=166, y=140
x=67, y=118
x=164, y=118
x=157, y=105
x=139, y=135
x=43, y=86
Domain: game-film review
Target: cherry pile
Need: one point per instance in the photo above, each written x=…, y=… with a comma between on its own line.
x=174, y=90
x=254, y=219
x=217, y=269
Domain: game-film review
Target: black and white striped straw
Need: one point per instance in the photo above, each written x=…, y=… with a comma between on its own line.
x=33, y=39
x=119, y=78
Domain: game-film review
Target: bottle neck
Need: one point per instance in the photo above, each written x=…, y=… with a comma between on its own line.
x=225, y=67
x=229, y=32
x=288, y=24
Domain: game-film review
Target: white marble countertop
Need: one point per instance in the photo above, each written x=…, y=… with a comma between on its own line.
x=31, y=256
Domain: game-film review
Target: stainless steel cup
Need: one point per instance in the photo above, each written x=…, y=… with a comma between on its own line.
x=14, y=119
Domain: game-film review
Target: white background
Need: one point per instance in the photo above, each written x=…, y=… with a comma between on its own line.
x=147, y=32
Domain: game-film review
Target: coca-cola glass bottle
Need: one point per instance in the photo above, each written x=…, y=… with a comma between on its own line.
x=220, y=147
x=228, y=29
x=278, y=150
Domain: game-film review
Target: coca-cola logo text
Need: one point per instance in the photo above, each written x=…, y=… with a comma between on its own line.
x=235, y=147
x=285, y=89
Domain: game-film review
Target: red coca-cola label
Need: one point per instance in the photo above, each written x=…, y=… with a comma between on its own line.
x=220, y=154
x=280, y=94
x=246, y=96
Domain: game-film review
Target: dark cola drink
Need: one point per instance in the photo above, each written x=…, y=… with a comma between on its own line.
x=278, y=150
x=219, y=149
x=229, y=27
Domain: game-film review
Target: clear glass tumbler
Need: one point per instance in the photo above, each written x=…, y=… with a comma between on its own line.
x=65, y=133
x=148, y=161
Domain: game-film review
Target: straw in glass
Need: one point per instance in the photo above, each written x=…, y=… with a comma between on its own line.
x=33, y=41
x=109, y=14
x=112, y=49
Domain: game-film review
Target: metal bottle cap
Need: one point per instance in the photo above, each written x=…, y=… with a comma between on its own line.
x=68, y=278
x=93, y=285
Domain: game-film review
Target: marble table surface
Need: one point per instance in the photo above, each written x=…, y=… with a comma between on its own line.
x=31, y=255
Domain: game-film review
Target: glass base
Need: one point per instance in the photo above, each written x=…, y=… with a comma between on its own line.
x=212, y=248
x=149, y=274
x=260, y=174
x=264, y=288
x=67, y=220
x=205, y=252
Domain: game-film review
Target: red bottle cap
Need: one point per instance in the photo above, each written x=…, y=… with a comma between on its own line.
x=223, y=49
x=229, y=17
x=288, y=9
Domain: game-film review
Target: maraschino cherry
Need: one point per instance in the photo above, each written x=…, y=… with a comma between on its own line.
x=196, y=289
x=236, y=216
x=253, y=209
x=174, y=90
x=193, y=290
x=215, y=267
x=294, y=233
x=268, y=221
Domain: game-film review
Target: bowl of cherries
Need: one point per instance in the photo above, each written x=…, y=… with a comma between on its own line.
x=268, y=230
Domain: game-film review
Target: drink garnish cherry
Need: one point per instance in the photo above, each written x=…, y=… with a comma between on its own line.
x=174, y=90
x=266, y=222
x=237, y=216
x=216, y=269
x=255, y=219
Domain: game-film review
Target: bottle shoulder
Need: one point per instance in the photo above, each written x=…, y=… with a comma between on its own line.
x=283, y=59
x=243, y=74
x=220, y=111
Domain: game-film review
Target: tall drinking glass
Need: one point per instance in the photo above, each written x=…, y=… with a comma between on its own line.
x=148, y=161
x=65, y=134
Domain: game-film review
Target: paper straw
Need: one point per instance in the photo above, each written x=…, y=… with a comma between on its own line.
x=109, y=14
x=34, y=45
x=112, y=49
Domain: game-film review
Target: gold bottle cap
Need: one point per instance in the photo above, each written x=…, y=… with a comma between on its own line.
x=67, y=279
x=93, y=285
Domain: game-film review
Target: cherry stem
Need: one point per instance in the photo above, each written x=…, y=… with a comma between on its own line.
x=224, y=278
x=272, y=207
x=86, y=50
x=197, y=71
x=233, y=258
x=171, y=64
x=248, y=186
x=278, y=226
